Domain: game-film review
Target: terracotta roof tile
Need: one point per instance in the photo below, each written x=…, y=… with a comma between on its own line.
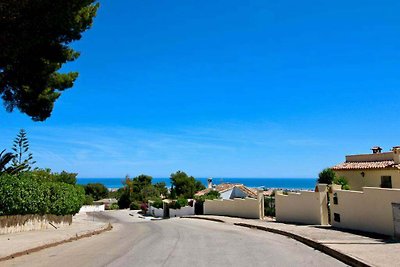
x=363, y=165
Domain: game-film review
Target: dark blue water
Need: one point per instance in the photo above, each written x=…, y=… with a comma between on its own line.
x=282, y=183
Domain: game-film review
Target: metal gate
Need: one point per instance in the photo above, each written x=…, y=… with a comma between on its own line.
x=396, y=219
x=199, y=207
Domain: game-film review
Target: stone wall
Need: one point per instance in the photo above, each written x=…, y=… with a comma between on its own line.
x=22, y=223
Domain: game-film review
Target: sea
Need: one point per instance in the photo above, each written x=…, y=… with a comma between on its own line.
x=265, y=183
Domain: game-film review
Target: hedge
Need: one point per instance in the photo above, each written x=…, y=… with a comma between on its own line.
x=23, y=194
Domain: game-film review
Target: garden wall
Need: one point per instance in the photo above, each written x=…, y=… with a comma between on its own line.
x=238, y=207
x=184, y=211
x=156, y=212
x=368, y=210
x=305, y=207
x=22, y=223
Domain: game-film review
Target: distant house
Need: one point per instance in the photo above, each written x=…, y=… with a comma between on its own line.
x=229, y=191
x=379, y=169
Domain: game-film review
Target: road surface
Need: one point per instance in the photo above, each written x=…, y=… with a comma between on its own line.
x=176, y=242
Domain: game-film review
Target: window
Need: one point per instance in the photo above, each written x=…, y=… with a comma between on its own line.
x=335, y=199
x=386, y=181
x=336, y=217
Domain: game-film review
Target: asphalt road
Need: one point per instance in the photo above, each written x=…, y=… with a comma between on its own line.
x=176, y=242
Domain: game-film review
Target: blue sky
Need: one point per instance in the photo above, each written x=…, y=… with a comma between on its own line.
x=224, y=89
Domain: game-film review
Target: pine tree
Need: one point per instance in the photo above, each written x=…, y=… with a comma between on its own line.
x=23, y=159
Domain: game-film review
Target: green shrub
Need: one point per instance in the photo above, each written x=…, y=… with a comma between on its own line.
x=88, y=200
x=124, y=201
x=96, y=190
x=134, y=206
x=343, y=182
x=158, y=203
x=114, y=206
x=25, y=194
x=179, y=203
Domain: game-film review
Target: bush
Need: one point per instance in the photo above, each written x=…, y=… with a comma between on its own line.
x=88, y=200
x=213, y=194
x=114, y=206
x=96, y=190
x=134, y=206
x=144, y=207
x=158, y=204
x=124, y=201
x=343, y=182
x=181, y=202
x=24, y=194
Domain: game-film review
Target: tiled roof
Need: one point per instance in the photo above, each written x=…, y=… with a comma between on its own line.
x=220, y=188
x=250, y=192
x=363, y=165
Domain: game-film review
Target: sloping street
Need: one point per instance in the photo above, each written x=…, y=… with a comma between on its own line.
x=176, y=242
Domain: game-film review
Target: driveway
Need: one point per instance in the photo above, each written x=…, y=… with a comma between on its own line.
x=176, y=242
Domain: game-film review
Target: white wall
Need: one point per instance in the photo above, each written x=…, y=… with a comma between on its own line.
x=238, y=207
x=184, y=211
x=368, y=210
x=304, y=207
x=156, y=212
x=92, y=208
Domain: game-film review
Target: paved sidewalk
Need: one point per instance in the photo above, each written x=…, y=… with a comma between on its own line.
x=24, y=242
x=359, y=249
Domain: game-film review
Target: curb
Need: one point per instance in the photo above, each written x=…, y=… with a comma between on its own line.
x=53, y=244
x=352, y=261
x=203, y=218
x=311, y=243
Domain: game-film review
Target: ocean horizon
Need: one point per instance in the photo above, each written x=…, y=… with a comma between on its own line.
x=278, y=183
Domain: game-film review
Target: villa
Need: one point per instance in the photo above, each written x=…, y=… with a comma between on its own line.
x=379, y=169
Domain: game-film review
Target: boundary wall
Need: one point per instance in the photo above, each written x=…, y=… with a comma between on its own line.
x=92, y=208
x=369, y=210
x=23, y=223
x=238, y=207
x=305, y=207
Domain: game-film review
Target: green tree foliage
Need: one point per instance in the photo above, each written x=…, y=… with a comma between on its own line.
x=213, y=194
x=5, y=159
x=124, y=199
x=23, y=159
x=35, y=38
x=179, y=203
x=48, y=175
x=184, y=185
x=326, y=176
x=158, y=203
x=96, y=190
x=66, y=177
x=24, y=194
x=139, y=190
x=161, y=187
x=342, y=181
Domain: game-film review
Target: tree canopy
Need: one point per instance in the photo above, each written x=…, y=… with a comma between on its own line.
x=326, y=176
x=34, y=38
x=184, y=185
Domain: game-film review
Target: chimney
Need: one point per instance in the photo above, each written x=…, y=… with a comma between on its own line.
x=396, y=154
x=210, y=183
x=376, y=150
